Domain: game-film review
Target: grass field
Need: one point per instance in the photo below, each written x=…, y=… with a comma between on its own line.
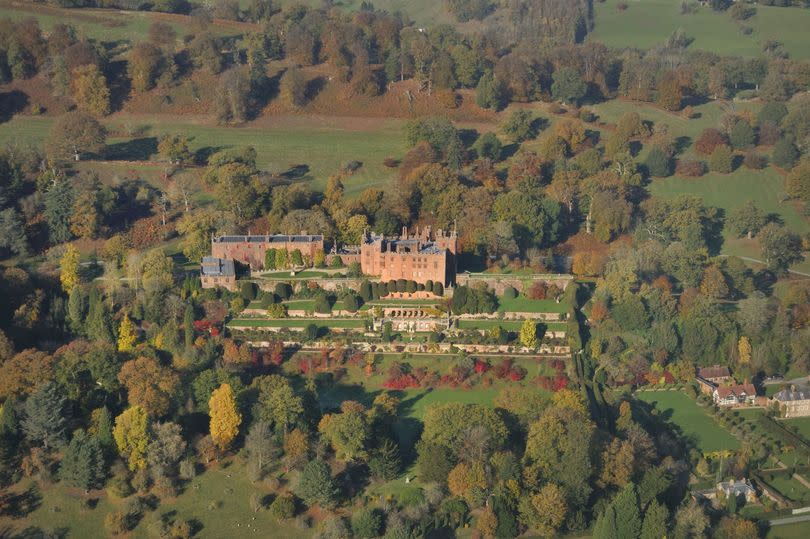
x=426, y=12
x=321, y=145
x=729, y=191
x=522, y=304
x=802, y=423
x=508, y=325
x=790, y=488
x=799, y=530
x=653, y=21
x=694, y=423
x=339, y=323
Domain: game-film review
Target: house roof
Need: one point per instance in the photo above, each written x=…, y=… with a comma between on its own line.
x=792, y=394
x=715, y=371
x=217, y=267
x=737, y=390
x=273, y=238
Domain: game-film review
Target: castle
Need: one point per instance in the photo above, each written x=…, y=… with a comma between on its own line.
x=421, y=256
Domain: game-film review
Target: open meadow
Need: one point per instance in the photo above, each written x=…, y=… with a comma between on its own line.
x=693, y=422
x=646, y=24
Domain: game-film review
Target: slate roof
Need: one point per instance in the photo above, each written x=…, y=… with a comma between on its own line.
x=217, y=267
x=792, y=394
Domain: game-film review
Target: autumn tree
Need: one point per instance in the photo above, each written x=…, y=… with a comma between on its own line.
x=24, y=372
x=544, y=511
x=149, y=385
x=233, y=97
x=174, y=148
x=147, y=63
x=132, y=437
x=714, y=283
x=75, y=134
x=90, y=90
x=721, y=160
x=347, y=432
x=293, y=87
x=528, y=334
x=225, y=416
x=69, y=269
x=126, y=335
x=670, y=93
x=744, y=349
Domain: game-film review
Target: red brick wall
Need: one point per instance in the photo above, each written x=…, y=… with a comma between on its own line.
x=252, y=253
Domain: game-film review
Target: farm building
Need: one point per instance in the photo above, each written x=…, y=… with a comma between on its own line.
x=793, y=401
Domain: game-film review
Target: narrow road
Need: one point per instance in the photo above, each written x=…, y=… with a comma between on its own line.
x=789, y=520
x=757, y=261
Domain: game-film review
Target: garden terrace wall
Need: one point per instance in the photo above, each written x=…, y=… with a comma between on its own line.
x=444, y=348
x=500, y=282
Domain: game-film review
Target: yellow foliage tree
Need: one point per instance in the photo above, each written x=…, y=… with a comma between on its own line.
x=744, y=347
x=528, y=334
x=567, y=398
x=90, y=90
x=225, y=416
x=69, y=268
x=130, y=434
x=126, y=335
x=464, y=478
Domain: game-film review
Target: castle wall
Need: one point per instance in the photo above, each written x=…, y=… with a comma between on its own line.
x=251, y=253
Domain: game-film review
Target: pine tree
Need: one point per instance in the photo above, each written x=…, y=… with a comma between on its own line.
x=126, y=335
x=225, y=416
x=655, y=521
x=317, y=486
x=83, y=462
x=385, y=463
x=628, y=517
x=77, y=308
x=99, y=320
x=58, y=211
x=104, y=431
x=9, y=439
x=46, y=416
x=188, y=327
x=69, y=269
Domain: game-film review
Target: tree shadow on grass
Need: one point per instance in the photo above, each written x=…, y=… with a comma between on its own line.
x=11, y=103
x=20, y=505
x=139, y=149
x=202, y=155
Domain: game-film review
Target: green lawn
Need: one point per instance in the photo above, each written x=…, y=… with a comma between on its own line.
x=790, y=488
x=802, y=423
x=423, y=12
x=800, y=530
x=649, y=23
x=509, y=325
x=522, y=304
x=340, y=323
x=322, y=145
x=730, y=191
x=694, y=422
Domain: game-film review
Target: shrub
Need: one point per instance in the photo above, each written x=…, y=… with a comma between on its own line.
x=116, y=523
x=322, y=304
x=587, y=116
x=390, y=162
x=283, y=290
x=691, y=169
x=658, y=163
x=438, y=288
x=754, y=161
x=742, y=135
x=772, y=112
x=350, y=303
x=785, y=153
x=366, y=523
x=721, y=160
x=248, y=291
x=708, y=140
x=283, y=507
x=489, y=146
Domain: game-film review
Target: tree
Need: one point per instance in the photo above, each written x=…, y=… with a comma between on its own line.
x=150, y=385
x=489, y=146
x=347, y=432
x=23, y=373
x=785, y=153
x=433, y=462
x=283, y=507
x=147, y=62
x=798, y=181
x=166, y=449
x=260, y=446
x=714, y=283
x=225, y=416
x=132, y=437
x=721, y=160
x=744, y=349
x=69, y=269
x=780, y=247
x=293, y=87
x=316, y=485
x=621, y=518
x=126, y=335
x=746, y=220
x=174, y=148
x=73, y=135
x=658, y=163
x=670, y=92
x=544, y=511
x=385, y=462
x=45, y=418
x=90, y=90
x=568, y=86
x=277, y=401
x=83, y=463
x=708, y=140
x=233, y=97
x=490, y=92
x=655, y=521
x=520, y=125
x=366, y=523
x=742, y=135
x=447, y=424
x=528, y=334
x=12, y=231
